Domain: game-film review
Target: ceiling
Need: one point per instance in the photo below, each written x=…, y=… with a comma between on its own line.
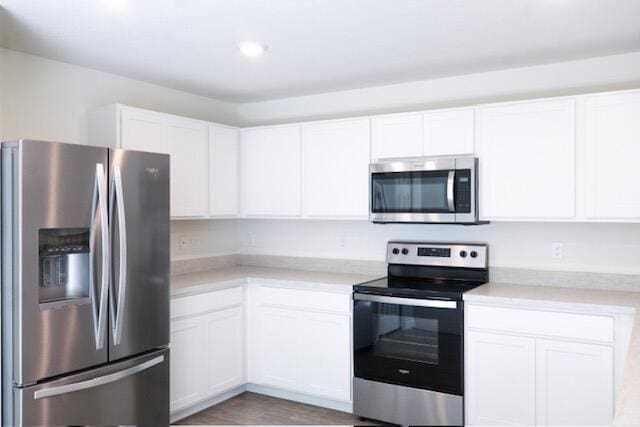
x=314, y=45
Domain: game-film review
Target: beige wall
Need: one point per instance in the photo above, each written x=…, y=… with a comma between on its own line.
x=44, y=99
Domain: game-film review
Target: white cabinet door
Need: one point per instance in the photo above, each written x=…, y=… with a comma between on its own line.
x=271, y=171
x=397, y=136
x=325, y=359
x=142, y=131
x=574, y=383
x=186, y=366
x=449, y=132
x=223, y=171
x=500, y=379
x=527, y=160
x=613, y=149
x=278, y=347
x=335, y=169
x=224, y=355
x=187, y=146
x=186, y=143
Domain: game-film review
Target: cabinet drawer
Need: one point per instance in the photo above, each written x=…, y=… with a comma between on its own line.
x=209, y=301
x=305, y=300
x=547, y=323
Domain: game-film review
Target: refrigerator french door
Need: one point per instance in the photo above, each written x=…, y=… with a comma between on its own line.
x=85, y=276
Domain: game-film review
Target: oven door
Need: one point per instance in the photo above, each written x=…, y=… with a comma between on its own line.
x=409, y=342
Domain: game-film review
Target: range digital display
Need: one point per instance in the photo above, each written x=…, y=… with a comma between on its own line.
x=437, y=252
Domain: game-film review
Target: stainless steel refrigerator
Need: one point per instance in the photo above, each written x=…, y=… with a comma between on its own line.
x=85, y=285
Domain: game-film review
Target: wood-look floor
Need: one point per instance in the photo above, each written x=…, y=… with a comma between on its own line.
x=256, y=409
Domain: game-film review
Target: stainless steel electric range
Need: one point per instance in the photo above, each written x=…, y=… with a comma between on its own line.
x=408, y=333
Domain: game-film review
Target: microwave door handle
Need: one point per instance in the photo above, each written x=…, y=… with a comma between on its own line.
x=450, y=198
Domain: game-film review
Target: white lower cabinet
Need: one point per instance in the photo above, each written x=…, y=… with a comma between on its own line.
x=515, y=377
x=500, y=377
x=207, y=355
x=224, y=356
x=277, y=344
x=329, y=347
x=185, y=365
x=574, y=383
x=301, y=341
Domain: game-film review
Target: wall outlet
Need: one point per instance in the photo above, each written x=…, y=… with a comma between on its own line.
x=185, y=242
x=342, y=242
x=557, y=250
x=195, y=242
x=252, y=239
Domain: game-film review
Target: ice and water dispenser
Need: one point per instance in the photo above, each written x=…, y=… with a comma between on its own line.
x=64, y=264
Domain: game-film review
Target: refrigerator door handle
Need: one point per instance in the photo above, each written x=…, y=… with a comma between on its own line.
x=116, y=198
x=98, y=381
x=100, y=305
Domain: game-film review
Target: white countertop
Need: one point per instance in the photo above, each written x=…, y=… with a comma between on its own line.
x=628, y=402
x=205, y=281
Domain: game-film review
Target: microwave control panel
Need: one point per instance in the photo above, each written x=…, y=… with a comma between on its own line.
x=463, y=191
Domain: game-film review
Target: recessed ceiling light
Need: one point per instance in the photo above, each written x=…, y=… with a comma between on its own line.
x=252, y=49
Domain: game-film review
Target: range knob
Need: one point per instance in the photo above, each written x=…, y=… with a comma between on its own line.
x=463, y=254
x=405, y=251
x=395, y=251
x=473, y=254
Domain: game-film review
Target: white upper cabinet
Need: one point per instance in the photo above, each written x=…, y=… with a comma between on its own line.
x=335, y=169
x=183, y=139
x=142, y=131
x=527, y=160
x=434, y=133
x=223, y=171
x=271, y=171
x=187, y=147
x=396, y=136
x=449, y=132
x=613, y=148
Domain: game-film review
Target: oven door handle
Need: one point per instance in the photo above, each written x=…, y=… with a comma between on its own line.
x=450, y=189
x=406, y=301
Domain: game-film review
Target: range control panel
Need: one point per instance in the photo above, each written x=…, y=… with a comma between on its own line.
x=469, y=255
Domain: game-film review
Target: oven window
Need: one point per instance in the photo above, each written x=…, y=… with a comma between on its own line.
x=408, y=345
x=403, y=335
x=410, y=192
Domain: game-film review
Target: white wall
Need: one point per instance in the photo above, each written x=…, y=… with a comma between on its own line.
x=565, y=78
x=612, y=248
x=205, y=238
x=44, y=99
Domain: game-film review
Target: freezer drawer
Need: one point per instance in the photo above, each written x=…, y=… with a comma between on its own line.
x=131, y=392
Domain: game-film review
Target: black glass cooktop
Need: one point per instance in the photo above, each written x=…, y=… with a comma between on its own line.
x=431, y=288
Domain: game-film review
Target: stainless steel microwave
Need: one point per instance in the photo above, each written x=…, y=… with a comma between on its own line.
x=424, y=190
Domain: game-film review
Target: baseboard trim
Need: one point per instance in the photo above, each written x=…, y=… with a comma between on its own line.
x=337, y=405
x=206, y=403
